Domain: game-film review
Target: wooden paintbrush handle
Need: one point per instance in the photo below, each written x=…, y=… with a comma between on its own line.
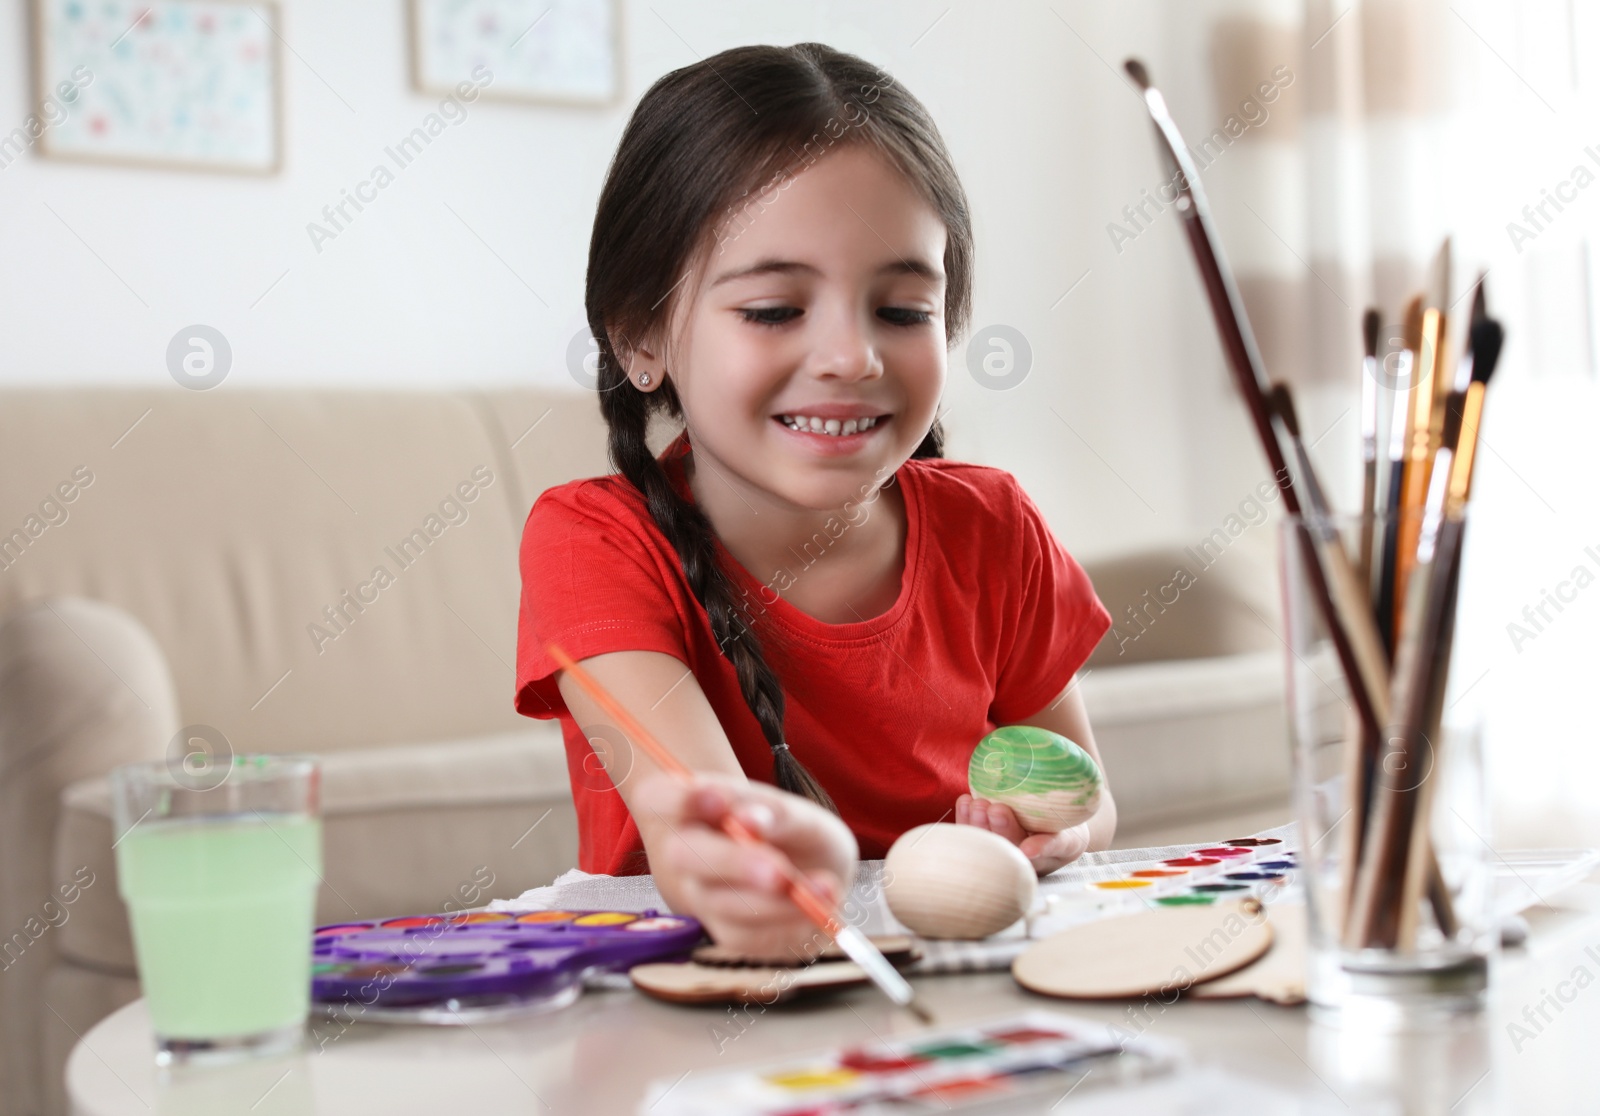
x=1422, y=874
x=1369, y=496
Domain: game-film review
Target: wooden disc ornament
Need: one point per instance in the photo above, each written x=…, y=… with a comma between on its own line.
x=1280, y=976
x=1049, y=782
x=897, y=949
x=693, y=983
x=1153, y=952
x=717, y=975
x=957, y=881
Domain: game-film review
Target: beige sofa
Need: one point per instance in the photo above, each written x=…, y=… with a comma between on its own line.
x=171, y=559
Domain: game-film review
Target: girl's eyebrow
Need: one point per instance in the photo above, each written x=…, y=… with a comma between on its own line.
x=772, y=266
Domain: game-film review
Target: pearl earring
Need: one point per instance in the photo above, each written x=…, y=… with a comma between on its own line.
x=644, y=379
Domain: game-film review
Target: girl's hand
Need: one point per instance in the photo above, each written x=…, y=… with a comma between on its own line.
x=1045, y=851
x=738, y=891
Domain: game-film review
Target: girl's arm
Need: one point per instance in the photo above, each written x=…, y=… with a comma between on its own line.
x=1049, y=851
x=736, y=891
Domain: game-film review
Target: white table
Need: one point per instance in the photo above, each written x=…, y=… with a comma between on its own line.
x=597, y=1056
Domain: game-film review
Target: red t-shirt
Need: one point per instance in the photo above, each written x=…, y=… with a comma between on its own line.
x=992, y=620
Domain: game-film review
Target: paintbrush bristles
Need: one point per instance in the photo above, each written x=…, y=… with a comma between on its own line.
x=1487, y=337
x=1137, y=72
x=1371, y=324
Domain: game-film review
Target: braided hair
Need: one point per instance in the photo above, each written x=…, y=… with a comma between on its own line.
x=701, y=139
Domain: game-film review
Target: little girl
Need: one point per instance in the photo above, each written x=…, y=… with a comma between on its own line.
x=798, y=590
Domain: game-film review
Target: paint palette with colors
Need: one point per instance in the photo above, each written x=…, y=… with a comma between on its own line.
x=485, y=957
x=1243, y=866
x=1022, y=1063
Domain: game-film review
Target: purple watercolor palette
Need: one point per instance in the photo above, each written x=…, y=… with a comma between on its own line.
x=538, y=955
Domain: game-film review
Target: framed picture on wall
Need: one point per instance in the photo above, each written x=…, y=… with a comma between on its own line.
x=547, y=51
x=191, y=84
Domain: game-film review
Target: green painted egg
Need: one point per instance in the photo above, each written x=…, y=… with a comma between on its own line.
x=1048, y=781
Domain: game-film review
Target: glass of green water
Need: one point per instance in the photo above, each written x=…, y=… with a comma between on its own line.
x=219, y=868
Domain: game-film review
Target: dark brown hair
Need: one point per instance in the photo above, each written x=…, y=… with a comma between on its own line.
x=701, y=141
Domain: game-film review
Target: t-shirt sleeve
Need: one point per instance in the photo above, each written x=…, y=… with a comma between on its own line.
x=1058, y=620
x=591, y=582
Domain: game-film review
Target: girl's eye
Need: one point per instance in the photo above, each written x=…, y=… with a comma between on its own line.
x=904, y=317
x=769, y=315
x=781, y=315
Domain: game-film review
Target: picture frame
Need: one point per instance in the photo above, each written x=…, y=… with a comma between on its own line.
x=552, y=52
x=163, y=84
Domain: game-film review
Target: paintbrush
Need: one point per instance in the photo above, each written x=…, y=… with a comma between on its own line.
x=1460, y=434
x=1349, y=596
x=1479, y=313
x=1487, y=337
x=1419, y=454
x=803, y=891
x=1361, y=743
x=1399, y=439
x=1443, y=383
x=1384, y=913
x=1371, y=322
x=1328, y=571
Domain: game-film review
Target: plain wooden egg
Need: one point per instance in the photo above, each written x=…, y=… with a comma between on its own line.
x=957, y=881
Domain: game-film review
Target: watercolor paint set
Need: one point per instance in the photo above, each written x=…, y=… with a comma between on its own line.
x=1024, y=1063
x=452, y=968
x=1263, y=867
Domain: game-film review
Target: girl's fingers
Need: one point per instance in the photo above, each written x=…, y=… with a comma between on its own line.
x=746, y=906
x=1041, y=845
x=699, y=852
x=746, y=909
x=1049, y=851
x=827, y=884
x=996, y=818
x=1005, y=823
x=808, y=834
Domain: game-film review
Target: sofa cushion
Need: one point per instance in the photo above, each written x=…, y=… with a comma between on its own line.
x=406, y=829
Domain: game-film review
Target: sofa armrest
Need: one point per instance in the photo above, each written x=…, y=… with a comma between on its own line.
x=83, y=688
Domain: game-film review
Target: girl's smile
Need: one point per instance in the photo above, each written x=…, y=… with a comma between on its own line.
x=834, y=429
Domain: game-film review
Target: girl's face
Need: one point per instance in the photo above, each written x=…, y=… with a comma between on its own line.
x=810, y=346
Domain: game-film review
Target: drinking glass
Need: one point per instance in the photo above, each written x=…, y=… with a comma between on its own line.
x=220, y=876
x=1441, y=970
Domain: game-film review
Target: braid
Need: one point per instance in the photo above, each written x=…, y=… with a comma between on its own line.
x=627, y=414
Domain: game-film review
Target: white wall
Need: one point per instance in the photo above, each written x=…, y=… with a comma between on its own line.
x=100, y=266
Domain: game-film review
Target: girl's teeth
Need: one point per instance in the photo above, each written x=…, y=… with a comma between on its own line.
x=835, y=427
